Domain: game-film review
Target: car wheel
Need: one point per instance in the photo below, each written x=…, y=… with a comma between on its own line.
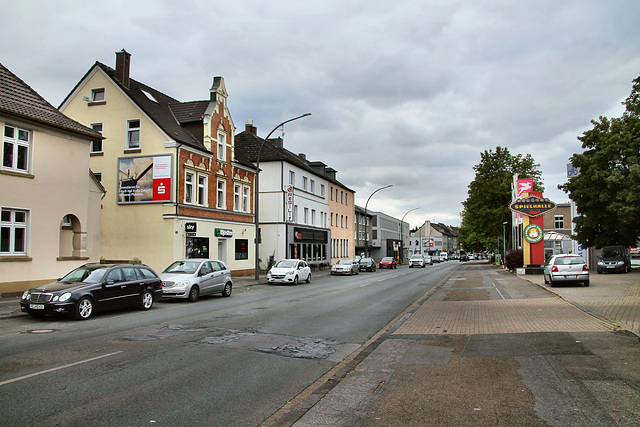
x=295, y=279
x=546, y=282
x=84, y=309
x=146, y=300
x=309, y=278
x=226, y=292
x=410, y=266
x=194, y=293
x=551, y=282
x=586, y=283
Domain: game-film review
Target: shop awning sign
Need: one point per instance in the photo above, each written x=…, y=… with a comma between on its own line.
x=532, y=206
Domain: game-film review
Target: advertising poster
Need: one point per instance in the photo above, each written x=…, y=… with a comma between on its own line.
x=144, y=179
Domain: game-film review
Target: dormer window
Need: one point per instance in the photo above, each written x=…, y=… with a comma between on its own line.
x=97, y=95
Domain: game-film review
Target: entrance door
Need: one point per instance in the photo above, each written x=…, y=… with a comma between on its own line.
x=222, y=250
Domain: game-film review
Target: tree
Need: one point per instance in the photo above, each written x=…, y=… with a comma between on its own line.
x=489, y=196
x=607, y=190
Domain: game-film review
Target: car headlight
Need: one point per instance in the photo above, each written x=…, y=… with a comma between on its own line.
x=291, y=273
x=183, y=284
x=64, y=296
x=26, y=295
x=600, y=262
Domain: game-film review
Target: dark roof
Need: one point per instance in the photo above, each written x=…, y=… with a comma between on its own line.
x=248, y=144
x=19, y=99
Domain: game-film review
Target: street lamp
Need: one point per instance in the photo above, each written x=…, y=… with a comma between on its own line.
x=401, y=238
x=504, y=242
x=366, y=239
x=257, y=193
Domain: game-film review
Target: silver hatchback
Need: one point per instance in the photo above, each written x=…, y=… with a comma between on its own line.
x=190, y=278
x=566, y=268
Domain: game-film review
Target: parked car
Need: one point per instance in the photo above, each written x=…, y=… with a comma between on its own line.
x=95, y=287
x=291, y=271
x=614, y=258
x=367, y=264
x=417, y=261
x=190, y=278
x=566, y=268
x=388, y=262
x=345, y=266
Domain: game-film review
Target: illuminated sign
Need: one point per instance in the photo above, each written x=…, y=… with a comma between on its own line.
x=533, y=233
x=223, y=232
x=532, y=206
x=289, y=202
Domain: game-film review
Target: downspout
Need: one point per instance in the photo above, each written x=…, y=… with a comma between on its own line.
x=177, y=172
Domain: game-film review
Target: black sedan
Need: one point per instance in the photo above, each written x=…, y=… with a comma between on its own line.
x=367, y=264
x=95, y=287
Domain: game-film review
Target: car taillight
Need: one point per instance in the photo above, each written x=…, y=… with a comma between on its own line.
x=554, y=269
x=585, y=267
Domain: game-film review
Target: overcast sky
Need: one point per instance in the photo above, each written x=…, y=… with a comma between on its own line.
x=402, y=92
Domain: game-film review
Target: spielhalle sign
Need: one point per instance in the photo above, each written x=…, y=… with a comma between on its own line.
x=532, y=206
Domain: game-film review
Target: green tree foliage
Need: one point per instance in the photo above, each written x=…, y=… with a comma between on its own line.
x=607, y=191
x=489, y=196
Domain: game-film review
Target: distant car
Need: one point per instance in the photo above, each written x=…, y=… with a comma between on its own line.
x=428, y=259
x=566, y=268
x=614, y=258
x=95, y=287
x=444, y=256
x=388, y=262
x=345, y=266
x=291, y=271
x=417, y=261
x=193, y=277
x=367, y=264
x=463, y=257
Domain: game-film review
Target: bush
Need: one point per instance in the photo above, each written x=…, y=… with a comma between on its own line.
x=514, y=259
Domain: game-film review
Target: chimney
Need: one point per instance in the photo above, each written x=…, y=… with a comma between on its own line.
x=123, y=60
x=250, y=128
x=302, y=156
x=276, y=141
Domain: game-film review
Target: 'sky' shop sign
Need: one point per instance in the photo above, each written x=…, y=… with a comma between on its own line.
x=532, y=206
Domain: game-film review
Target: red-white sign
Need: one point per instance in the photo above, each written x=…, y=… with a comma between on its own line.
x=288, y=203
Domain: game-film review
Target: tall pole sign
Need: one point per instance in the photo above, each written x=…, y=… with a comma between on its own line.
x=532, y=206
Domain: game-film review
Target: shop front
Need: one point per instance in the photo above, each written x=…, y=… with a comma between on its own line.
x=309, y=244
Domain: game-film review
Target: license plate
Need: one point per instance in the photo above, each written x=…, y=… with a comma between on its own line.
x=570, y=277
x=611, y=266
x=36, y=306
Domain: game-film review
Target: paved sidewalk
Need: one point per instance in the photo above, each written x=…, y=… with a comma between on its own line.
x=485, y=348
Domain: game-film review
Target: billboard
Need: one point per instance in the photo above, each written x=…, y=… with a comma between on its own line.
x=144, y=179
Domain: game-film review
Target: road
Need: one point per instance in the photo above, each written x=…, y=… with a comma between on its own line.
x=220, y=361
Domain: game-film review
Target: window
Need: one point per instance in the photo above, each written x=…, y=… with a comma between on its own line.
x=97, y=95
x=15, y=149
x=202, y=190
x=304, y=183
x=313, y=186
x=98, y=176
x=346, y=199
x=558, y=221
x=306, y=215
x=322, y=190
x=13, y=232
x=342, y=197
x=331, y=193
x=246, y=193
x=295, y=213
x=222, y=147
x=96, y=146
x=133, y=134
x=313, y=217
x=332, y=219
x=237, y=188
x=188, y=187
x=292, y=178
x=242, y=249
x=346, y=221
x=221, y=201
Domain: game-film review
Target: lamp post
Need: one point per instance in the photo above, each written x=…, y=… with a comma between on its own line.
x=401, y=237
x=504, y=242
x=366, y=239
x=257, y=194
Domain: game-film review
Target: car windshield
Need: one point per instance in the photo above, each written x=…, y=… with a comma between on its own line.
x=345, y=261
x=569, y=260
x=182, y=267
x=387, y=259
x=613, y=253
x=86, y=275
x=416, y=256
x=286, y=264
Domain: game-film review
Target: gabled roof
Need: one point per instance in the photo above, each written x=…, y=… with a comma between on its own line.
x=249, y=144
x=19, y=99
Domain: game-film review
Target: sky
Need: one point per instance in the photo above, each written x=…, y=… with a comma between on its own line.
x=407, y=93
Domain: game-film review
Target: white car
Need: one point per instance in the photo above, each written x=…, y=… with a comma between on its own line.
x=417, y=261
x=290, y=271
x=190, y=278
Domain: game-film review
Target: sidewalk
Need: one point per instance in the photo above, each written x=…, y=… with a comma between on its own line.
x=485, y=347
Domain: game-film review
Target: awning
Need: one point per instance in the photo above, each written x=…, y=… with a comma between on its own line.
x=552, y=235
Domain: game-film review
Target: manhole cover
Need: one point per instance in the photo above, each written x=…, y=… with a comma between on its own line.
x=41, y=331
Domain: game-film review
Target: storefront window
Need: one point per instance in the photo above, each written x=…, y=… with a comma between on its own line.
x=242, y=249
x=197, y=247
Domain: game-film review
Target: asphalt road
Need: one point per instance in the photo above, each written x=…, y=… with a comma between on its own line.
x=220, y=361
